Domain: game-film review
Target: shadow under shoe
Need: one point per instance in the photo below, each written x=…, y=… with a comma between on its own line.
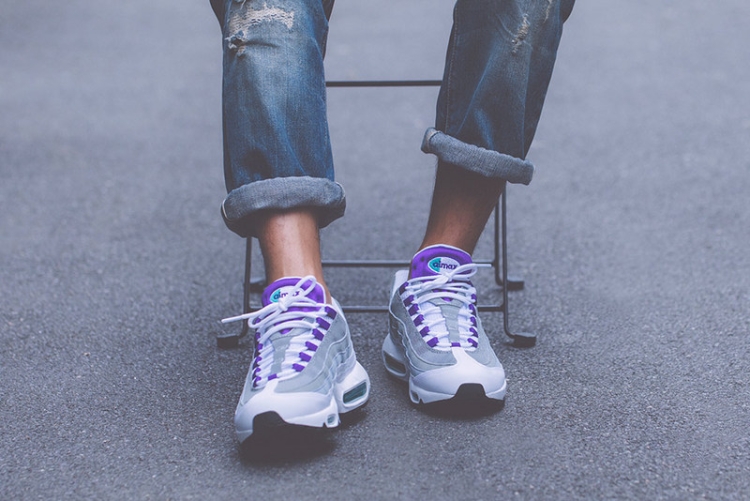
x=470, y=402
x=275, y=441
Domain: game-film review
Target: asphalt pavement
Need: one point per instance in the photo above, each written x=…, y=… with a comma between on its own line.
x=115, y=265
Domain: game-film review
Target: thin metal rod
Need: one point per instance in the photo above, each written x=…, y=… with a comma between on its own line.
x=519, y=339
x=247, y=282
x=496, y=263
x=384, y=309
x=504, y=278
x=384, y=83
x=246, y=285
x=347, y=263
x=232, y=340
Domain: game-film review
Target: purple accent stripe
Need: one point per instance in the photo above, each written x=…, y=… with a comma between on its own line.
x=323, y=323
x=418, y=321
x=473, y=342
x=432, y=342
x=318, y=335
x=455, y=344
x=298, y=367
x=414, y=309
x=331, y=312
x=305, y=357
x=409, y=301
x=272, y=377
x=311, y=346
x=424, y=331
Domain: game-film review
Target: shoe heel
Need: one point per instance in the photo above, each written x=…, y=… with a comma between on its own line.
x=394, y=360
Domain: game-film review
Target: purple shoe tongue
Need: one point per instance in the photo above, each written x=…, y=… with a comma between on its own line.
x=438, y=259
x=284, y=286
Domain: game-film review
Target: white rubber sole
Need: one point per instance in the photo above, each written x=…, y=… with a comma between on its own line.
x=351, y=390
x=443, y=383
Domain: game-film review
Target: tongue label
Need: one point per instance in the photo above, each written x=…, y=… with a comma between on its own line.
x=281, y=292
x=442, y=264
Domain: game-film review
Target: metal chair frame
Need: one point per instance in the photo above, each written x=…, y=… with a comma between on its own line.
x=499, y=262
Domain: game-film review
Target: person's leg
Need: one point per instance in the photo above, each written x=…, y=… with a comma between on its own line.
x=498, y=66
x=462, y=201
x=277, y=158
x=279, y=175
x=290, y=243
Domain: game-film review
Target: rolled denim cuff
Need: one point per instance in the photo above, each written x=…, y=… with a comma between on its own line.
x=242, y=206
x=477, y=159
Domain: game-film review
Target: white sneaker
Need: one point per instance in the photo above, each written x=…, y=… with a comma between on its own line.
x=436, y=340
x=304, y=370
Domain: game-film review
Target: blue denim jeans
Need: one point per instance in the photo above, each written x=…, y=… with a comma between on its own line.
x=277, y=152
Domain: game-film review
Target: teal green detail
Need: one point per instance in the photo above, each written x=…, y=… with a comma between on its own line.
x=355, y=393
x=434, y=265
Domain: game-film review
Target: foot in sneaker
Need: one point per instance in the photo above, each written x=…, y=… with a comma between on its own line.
x=304, y=370
x=436, y=340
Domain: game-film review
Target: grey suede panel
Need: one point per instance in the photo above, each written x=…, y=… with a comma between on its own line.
x=320, y=373
x=484, y=354
x=421, y=357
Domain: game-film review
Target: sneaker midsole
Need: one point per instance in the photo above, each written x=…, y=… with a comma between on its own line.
x=443, y=383
x=350, y=391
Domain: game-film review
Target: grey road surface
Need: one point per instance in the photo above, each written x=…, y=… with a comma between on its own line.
x=115, y=266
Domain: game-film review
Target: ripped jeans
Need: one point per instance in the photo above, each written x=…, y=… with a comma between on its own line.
x=277, y=151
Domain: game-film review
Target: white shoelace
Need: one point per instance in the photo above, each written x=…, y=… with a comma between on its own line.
x=418, y=294
x=294, y=315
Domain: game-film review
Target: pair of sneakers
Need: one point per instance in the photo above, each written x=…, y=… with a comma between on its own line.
x=304, y=369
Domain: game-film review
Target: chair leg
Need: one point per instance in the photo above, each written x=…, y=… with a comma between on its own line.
x=515, y=283
x=500, y=264
x=520, y=339
x=233, y=340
